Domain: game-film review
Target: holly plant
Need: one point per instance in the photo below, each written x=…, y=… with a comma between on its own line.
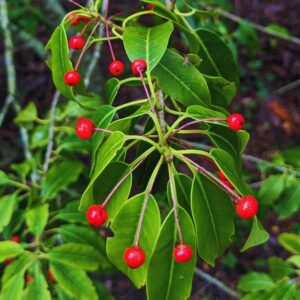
x=165, y=199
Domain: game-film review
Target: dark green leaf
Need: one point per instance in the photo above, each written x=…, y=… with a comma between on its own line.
x=213, y=216
x=253, y=282
x=291, y=242
x=167, y=279
x=279, y=268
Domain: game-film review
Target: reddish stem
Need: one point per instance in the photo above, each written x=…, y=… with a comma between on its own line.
x=86, y=26
x=109, y=43
x=103, y=130
x=216, y=180
x=147, y=92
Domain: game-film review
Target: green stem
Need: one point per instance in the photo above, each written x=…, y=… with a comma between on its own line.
x=147, y=196
x=195, y=131
x=144, y=139
x=132, y=103
x=192, y=151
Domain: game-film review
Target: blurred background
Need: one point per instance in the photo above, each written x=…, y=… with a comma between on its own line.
x=263, y=37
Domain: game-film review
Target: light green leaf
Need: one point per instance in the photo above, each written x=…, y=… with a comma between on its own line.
x=279, y=268
x=12, y=289
x=124, y=227
x=202, y=112
x=291, y=242
x=148, y=43
x=9, y=249
x=258, y=235
x=7, y=205
x=74, y=281
x=76, y=255
x=183, y=83
x=105, y=155
x=167, y=279
x=253, y=282
x=36, y=219
x=213, y=216
x=28, y=114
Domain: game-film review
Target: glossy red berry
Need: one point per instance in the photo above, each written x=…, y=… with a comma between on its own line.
x=76, y=42
x=138, y=66
x=182, y=253
x=134, y=257
x=15, y=239
x=116, y=67
x=84, y=128
x=74, y=18
x=72, y=78
x=247, y=207
x=236, y=122
x=97, y=215
x=28, y=279
x=222, y=176
x=150, y=6
x=228, y=184
x=50, y=276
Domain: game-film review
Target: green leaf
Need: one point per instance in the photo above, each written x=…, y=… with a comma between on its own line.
x=183, y=189
x=258, y=235
x=272, y=188
x=253, y=282
x=36, y=219
x=28, y=114
x=38, y=288
x=7, y=206
x=9, y=249
x=70, y=216
x=124, y=227
x=291, y=242
x=102, y=119
x=105, y=155
x=148, y=43
x=76, y=255
x=60, y=176
x=213, y=216
x=12, y=289
x=228, y=166
x=202, y=112
x=105, y=183
x=295, y=260
x=217, y=58
x=279, y=268
x=74, y=281
x=167, y=279
x=290, y=202
x=111, y=89
x=183, y=83
x=60, y=61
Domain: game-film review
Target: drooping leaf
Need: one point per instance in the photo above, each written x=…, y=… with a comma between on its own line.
x=104, y=156
x=148, y=43
x=213, y=216
x=76, y=255
x=181, y=82
x=74, y=281
x=167, y=279
x=36, y=219
x=124, y=227
x=258, y=235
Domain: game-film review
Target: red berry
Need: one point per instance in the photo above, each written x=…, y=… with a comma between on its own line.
x=116, y=67
x=50, y=275
x=76, y=42
x=183, y=253
x=150, y=6
x=84, y=128
x=228, y=184
x=74, y=17
x=236, y=122
x=16, y=239
x=138, y=66
x=97, y=215
x=28, y=279
x=247, y=207
x=222, y=176
x=84, y=18
x=72, y=78
x=134, y=257
x=9, y=260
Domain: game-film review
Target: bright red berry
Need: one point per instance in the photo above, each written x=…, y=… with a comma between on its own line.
x=182, y=253
x=247, y=207
x=72, y=78
x=134, y=257
x=228, y=184
x=16, y=239
x=76, y=42
x=97, y=215
x=74, y=18
x=28, y=279
x=236, y=122
x=222, y=176
x=84, y=128
x=50, y=275
x=116, y=67
x=9, y=260
x=84, y=19
x=138, y=66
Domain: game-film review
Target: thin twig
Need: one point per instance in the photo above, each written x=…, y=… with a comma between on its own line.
x=227, y=290
x=258, y=27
